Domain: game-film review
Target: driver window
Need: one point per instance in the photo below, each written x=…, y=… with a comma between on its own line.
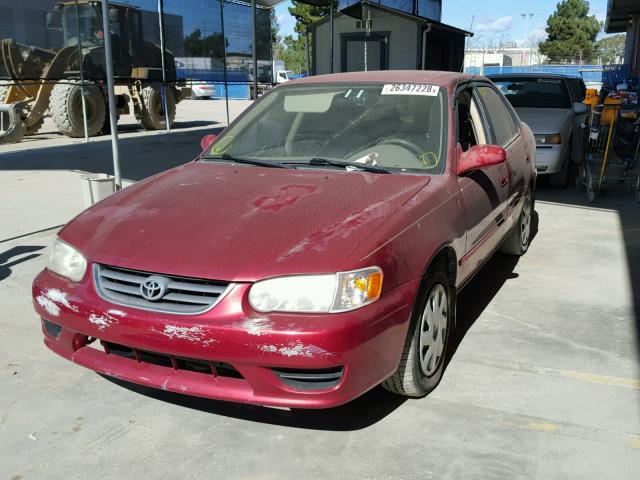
x=470, y=129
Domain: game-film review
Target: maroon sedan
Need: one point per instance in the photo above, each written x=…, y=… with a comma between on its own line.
x=313, y=251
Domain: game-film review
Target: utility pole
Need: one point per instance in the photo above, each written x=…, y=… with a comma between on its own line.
x=526, y=18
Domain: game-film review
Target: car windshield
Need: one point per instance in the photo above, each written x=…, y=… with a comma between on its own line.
x=397, y=127
x=534, y=92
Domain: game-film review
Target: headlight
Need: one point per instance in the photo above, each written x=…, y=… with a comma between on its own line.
x=329, y=293
x=66, y=261
x=554, y=139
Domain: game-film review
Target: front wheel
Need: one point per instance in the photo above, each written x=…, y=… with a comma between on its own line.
x=518, y=239
x=153, y=116
x=425, y=349
x=67, y=112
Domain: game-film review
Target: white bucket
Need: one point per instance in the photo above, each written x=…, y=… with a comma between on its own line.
x=96, y=187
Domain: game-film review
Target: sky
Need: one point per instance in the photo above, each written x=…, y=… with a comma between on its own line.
x=492, y=18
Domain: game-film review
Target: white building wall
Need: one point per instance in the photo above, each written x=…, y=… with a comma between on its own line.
x=403, y=40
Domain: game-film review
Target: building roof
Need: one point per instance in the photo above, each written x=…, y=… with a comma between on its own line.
x=355, y=11
x=444, y=79
x=619, y=14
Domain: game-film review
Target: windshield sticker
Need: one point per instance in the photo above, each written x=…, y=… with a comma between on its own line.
x=410, y=89
x=222, y=145
x=548, y=80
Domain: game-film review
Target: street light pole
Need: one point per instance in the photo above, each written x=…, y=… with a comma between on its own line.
x=526, y=19
x=113, y=119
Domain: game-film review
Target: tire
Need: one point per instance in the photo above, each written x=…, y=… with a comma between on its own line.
x=66, y=108
x=416, y=375
x=518, y=239
x=152, y=115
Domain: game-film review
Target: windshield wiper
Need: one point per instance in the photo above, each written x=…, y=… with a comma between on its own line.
x=340, y=163
x=245, y=160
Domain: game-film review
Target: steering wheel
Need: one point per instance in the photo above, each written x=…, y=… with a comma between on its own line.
x=404, y=143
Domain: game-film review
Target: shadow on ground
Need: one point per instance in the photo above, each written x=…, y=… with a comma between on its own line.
x=9, y=259
x=140, y=156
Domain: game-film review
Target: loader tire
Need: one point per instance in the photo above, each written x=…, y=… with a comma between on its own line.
x=66, y=108
x=153, y=113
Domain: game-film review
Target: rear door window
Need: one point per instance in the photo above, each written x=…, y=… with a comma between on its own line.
x=505, y=129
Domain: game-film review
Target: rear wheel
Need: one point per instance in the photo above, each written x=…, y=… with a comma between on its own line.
x=517, y=241
x=66, y=108
x=424, y=352
x=153, y=117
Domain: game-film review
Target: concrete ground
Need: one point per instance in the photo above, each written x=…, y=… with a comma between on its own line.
x=543, y=381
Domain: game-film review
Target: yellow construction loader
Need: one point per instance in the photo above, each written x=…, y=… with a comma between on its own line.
x=34, y=80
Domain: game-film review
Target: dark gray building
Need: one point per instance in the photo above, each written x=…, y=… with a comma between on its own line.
x=623, y=16
x=387, y=35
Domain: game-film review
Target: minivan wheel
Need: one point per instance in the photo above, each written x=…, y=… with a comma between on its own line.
x=518, y=239
x=425, y=349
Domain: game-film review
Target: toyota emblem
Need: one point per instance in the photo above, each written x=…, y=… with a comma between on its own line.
x=154, y=288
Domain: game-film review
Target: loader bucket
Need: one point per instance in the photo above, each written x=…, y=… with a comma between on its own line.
x=12, y=127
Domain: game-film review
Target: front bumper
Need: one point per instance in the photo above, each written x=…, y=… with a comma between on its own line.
x=364, y=345
x=550, y=158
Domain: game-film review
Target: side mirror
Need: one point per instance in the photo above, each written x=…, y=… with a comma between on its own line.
x=54, y=20
x=581, y=108
x=480, y=156
x=208, y=140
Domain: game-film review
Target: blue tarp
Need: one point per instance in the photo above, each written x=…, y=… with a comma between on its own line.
x=608, y=75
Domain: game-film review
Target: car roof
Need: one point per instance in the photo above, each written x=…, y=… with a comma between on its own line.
x=532, y=75
x=444, y=79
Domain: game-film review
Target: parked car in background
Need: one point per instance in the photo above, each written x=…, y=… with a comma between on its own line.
x=313, y=251
x=202, y=90
x=552, y=107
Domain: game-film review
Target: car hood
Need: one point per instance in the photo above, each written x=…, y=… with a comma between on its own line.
x=240, y=223
x=544, y=120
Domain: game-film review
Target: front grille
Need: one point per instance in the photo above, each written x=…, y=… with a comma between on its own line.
x=310, y=379
x=214, y=368
x=183, y=295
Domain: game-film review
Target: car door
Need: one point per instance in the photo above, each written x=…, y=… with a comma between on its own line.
x=485, y=191
x=507, y=133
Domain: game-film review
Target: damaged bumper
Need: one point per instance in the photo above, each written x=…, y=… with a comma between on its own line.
x=230, y=352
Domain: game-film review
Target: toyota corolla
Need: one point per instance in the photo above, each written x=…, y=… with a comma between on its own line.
x=313, y=250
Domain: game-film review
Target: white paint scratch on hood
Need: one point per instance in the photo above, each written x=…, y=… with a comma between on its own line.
x=256, y=326
x=60, y=297
x=46, y=303
x=295, y=349
x=102, y=321
x=52, y=299
x=193, y=334
x=117, y=313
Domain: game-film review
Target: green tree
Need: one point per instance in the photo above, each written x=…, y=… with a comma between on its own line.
x=276, y=39
x=306, y=15
x=572, y=32
x=195, y=45
x=293, y=54
x=611, y=49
